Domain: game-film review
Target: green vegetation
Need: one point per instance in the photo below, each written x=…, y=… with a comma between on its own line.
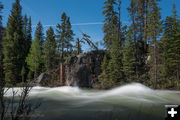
x=34, y=58
x=14, y=45
x=154, y=30
x=104, y=81
x=146, y=51
x=110, y=21
x=169, y=49
x=64, y=37
x=50, y=50
x=129, y=59
x=28, y=39
x=39, y=34
x=139, y=53
x=1, y=49
x=78, y=46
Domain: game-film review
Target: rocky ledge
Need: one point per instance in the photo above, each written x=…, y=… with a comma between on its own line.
x=81, y=70
x=84, y=69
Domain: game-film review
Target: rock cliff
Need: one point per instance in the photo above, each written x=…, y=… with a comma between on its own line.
x=83, y=70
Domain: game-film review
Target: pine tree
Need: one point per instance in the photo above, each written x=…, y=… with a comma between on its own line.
x=13, y=46
x=119, y=22
x=25, y=27
x=39, y=34
x=34, y=58
x=141, y=21
x=28, y=39
x=170, y=55
x=1, y=7
x=69, y=35
x=175, y=35
x=133, y=14
x=129, y=60
x=113, y=39
x=1, y=53
x=23, y=72
x=137, y=12
x=154, y=30
x=78, y=46
x=110, y=22
x=64, y=36
x=50, y=50
x=121, y=31
x=103, y=77
x=141, y=35
x=115, y=69
x=145, y=24
x=29, y=36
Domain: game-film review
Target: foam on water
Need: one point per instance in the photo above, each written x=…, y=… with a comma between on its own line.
x=74, y=102
x=130, y=92
x=133, y=88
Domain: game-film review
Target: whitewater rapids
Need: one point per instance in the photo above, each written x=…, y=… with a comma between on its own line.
x=129, y=102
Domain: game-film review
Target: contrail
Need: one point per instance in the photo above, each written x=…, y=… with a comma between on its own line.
x=75, y=24
x=81, y=24
x=95, y=23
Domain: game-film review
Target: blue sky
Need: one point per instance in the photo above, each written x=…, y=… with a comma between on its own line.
x=86, y=15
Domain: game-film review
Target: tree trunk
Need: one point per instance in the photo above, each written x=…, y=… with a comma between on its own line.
x=178, y=69
x=155, y=64
x=119, y=20
x=145, y=26
x=135, y=43
x=61, y=74
x=78, y=46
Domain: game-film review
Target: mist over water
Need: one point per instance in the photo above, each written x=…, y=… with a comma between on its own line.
x=129, y=102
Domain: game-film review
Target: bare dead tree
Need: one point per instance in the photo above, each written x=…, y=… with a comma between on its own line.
x=3, y=107
x=90, y=43
x=16, y=107
x=78, y=45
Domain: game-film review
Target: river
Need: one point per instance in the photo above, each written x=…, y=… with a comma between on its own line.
x=128, y=102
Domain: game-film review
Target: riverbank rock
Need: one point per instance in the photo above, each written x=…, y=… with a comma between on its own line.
x=83, y=70
x=43, y=79
x=48, y=79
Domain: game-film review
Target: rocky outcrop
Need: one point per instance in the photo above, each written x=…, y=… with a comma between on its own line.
x=43, y=79
x=84, y=69
x=48, y=79
x=81, y=70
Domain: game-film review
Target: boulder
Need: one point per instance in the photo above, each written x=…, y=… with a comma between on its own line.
x=44, y=79
x=83, y=70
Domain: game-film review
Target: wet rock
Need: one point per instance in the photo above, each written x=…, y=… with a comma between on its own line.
x=83, y=70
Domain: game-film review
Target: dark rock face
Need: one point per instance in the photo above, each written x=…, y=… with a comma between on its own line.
x=43, y=79
x=48, y=79
x=83, y=70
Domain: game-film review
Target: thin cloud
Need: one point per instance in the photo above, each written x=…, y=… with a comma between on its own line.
x=75, y=24
x=95, y=23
